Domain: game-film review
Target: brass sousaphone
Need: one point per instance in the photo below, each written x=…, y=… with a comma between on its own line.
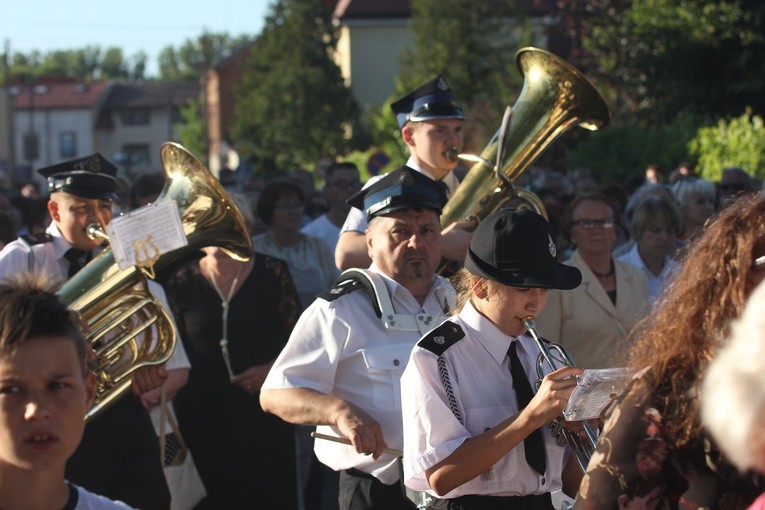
x=554, y=97
x=125, y=325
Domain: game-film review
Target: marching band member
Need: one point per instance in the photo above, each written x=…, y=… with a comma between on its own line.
x=469, y=439
x=431, y=126
x=342, y=365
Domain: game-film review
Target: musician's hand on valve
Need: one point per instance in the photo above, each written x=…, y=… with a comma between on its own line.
x=455, y=240
x=147, y=378
x=361, y=429
x=553, y=394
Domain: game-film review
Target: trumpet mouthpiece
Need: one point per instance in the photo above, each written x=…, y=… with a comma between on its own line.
x=528, y=322
x=94, y=231
x=452, y=155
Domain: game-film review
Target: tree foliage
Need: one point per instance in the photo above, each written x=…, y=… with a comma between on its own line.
x=739, y=141
x=83, y=64
x=292, y=104
x=192, y=131
x=657, y=59
x=623, y=151
x=192, y=58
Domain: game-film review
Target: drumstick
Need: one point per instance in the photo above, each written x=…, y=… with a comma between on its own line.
x=336, y=439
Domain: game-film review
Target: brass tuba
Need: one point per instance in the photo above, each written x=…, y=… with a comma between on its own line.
x=126, y=327
x=554, y=96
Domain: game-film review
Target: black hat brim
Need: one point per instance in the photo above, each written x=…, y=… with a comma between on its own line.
x=561, y=277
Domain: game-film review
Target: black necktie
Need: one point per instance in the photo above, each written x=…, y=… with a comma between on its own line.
x=77, y=260
x=535, y=448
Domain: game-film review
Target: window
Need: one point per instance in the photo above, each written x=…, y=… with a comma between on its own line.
x=31, y=146
x=135, y=117
x=67, y=144
x=136, y=154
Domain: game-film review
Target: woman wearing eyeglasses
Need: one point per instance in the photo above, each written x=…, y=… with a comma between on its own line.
x=593, y=321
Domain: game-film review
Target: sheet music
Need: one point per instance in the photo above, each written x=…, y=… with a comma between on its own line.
x=594, y=391
x=150, y=230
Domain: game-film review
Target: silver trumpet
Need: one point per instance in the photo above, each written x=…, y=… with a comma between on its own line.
x=556, y=356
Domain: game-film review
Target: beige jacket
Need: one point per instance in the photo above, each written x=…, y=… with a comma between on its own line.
x=587, y=324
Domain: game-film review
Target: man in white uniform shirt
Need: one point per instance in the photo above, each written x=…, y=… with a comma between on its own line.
x=341, y=366
x=431, y=127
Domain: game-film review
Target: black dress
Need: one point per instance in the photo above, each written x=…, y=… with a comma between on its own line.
x=246, y=458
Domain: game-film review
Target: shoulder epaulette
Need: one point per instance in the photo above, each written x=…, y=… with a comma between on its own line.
x=340, y=289
x=441, y=338
x=33, y=239
x=349, y=281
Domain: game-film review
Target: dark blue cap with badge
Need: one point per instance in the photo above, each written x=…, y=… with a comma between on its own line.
x=432, y=100
x=403, y=188
x=88, y=177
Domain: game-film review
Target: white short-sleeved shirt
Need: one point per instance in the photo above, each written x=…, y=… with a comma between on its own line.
x=479, y=372
x=340, y=347
x=19, y=257
x=356, y=220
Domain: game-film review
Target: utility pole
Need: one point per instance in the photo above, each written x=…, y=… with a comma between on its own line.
x=10, y=120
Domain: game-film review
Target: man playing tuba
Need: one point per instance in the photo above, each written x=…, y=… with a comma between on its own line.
x=431, y=126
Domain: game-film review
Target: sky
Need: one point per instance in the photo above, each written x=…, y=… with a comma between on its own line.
x=133, y=25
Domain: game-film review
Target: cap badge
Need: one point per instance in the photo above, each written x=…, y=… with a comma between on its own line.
x=439, y=340
x=551, y=246
x=441, y=84
x=89, y=164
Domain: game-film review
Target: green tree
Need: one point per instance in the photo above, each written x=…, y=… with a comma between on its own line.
x=113, y=65
x=658, y=59
x=195, y=56
x=192, y=132
x=292, y=106
x=739, y=141
x=85, y=64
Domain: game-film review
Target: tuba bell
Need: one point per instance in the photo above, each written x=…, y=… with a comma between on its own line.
x=124, y=324
x=554, y=97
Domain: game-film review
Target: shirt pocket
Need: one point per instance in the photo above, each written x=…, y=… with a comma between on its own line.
x=385, y=364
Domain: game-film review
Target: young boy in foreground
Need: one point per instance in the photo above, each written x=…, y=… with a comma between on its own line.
x=45, y=391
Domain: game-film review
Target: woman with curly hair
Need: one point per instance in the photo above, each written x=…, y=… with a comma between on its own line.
x=653, y=452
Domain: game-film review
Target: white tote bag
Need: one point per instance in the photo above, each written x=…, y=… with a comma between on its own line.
x=183, y=480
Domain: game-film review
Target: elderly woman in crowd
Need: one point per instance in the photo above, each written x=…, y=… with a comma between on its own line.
x=653, y=451
x=593, y=321
x=655, y=224
x=312, y=266
x=698, y=201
